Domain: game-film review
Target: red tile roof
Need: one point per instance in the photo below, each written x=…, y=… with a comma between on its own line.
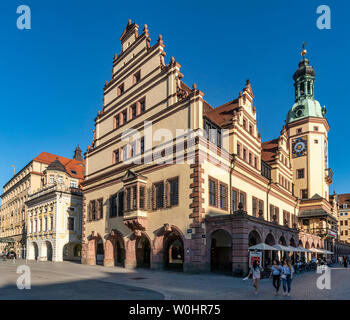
x=342, y=198
x=223, y=114
x=69, y=164
x=269, y=150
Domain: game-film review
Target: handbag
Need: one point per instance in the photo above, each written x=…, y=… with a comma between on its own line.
x=283, y=276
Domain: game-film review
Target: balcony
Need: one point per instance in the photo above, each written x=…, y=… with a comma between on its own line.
x=321, y=232
x=54, y=188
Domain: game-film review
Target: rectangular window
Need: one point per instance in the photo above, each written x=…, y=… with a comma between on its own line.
x=125, y=153
x=116, y=156
x=70, y=223
x=137, y=77
x=254, y=206
x=234, y=200
x=315, y=128
x=299, y=130
x=223, y=197
x=256, y=162
x=113, y=208
x=52, y=179
x=117, y=121
x=242, y=199
x=60, y=179
x=238, y=149
x=245, y=124
x=121, y=89
x=128, y=198
x=134, y=197
x=251, y=129
x=142, y=145
x=73, y=184
x=174, y=191
x=142, y=198
x=159, y=188
x=133, y=149
x=304, y=194
x=300, y=173
x=212, y=193
x=143, y=105
x=121, y=203
x=261, y=207
x=244, y=154
x=125, y=117
x=250, y=158
x=100, y=208
x=272, y=212
x=133, y=111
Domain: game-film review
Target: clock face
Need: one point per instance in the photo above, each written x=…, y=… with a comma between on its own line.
x=299, y=147
x=299, y=111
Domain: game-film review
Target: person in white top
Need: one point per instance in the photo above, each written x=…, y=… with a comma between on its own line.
x=255, y=271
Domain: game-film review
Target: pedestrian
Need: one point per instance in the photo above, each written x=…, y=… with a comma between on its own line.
x=276, y=271
x=345, y=262
x=287, y=277
x=255, y=271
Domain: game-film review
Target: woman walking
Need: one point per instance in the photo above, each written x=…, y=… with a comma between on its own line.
x=276, y=271
x=255, y=271
x=287, y=277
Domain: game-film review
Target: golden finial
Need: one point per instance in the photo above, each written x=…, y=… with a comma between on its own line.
x=304, y=51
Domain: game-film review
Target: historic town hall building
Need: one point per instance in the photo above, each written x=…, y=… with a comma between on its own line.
x=172, y=182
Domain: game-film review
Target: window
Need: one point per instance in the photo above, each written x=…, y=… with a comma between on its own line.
x=121, y=203
x=133, y=111
x=70, y=223
x=137, y=76
x=212, y=193
x=73, y=184
x=142, y=145
x=159, y=189
x=223, y=197
x=242, y=199
x=345, y=205
x=133, y=149
x=245, y=124
x=60, y=179
x=212, y=133
x=244, y=154
x=234, y=200
x=116, y=156
x=316, y=141
x=261, y=207
x=125, y=117
x=315, y=128
x=251, y=129
x=304, y=194
x=250, y=158
x=142, y=197
x=121, y=89
x=128, y=198
x=134, y=197
x=256, y=162
x=117, y=121
x=300, y=173
x=174, y=191
x=125, y=153
x=52, y=179
x=113, y=206
x=238, y=149
x=143, y=105
x=254, y=206
x=299, y=130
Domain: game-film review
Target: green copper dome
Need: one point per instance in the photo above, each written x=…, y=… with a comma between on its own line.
x=305, y=104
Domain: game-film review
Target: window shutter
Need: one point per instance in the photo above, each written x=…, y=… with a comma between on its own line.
x=167, y=194
x=110, y=204
x=90, y=211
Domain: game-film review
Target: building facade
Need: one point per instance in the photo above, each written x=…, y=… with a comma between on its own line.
x=54, y=213
x=13, y=211
x=172, y=182
x=343, y=201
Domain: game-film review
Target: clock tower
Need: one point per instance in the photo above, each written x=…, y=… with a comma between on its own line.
x=307, y=130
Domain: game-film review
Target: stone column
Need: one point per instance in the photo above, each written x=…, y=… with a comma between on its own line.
x=240, y=256
x=130, y=254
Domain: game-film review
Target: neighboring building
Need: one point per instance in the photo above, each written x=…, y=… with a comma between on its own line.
x=142, y=208
x=343, y=201
x=13, y=212
x=54, y=211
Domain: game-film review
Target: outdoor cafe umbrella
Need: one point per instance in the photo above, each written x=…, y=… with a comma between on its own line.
x=294, y=249
x=303, y=249
x=316, y=250
x=262, y=246
x=279, y=247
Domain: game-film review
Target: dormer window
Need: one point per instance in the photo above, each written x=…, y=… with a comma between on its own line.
x=52, y=179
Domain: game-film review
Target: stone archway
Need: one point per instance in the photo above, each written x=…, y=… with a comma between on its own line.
x=173, y=248
x=253, y=238
x=143, y=252
x=270, y=255
x=49, y=250
x=221, y=251
x=33, y=251
x=100, y=253
x=282, y=241
x=115, y=251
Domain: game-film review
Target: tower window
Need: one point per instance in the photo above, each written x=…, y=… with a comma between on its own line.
x=137, y=76
x=304, y=194
x=299, y=130
x=300, y=173
x=315, y=128
x=308, y=87
x=121, y=89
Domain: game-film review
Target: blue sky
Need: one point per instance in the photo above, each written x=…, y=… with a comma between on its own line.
x=51, y=77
